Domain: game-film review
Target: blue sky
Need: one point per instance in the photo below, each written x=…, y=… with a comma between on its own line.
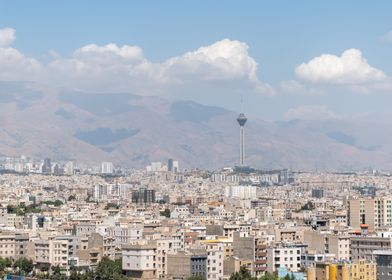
x=280, y=36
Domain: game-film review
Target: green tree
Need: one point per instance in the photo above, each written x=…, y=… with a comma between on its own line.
x=10, y=209
x=4, y=263
x=56, y=274
x=77, y=275
x=111, y=205
x=243, y=274
x=269, y=276
x=308, y=206
x=109, y=270
x=289, y=277
x=24, y=265
x=165, y=213
x=56, y=203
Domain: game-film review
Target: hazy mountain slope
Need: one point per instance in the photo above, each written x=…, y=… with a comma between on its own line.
x=132, y=130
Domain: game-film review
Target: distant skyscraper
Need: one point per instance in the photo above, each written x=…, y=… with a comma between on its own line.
x=170, y=165
x=47, y=166
x=317, y=193
x=107, y=168
x=241, y=121
x=143, y=195
x=173, y=165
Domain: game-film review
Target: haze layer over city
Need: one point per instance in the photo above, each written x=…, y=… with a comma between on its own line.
x=195, y=140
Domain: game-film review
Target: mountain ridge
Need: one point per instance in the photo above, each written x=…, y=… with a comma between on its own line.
x=133, y=130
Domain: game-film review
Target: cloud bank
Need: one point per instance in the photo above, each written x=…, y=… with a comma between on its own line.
x=125, y=68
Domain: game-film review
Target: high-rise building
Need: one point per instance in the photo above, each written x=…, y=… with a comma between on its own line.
x=69, y=168
x=317, y=193
x=241, y=121
x=286, y=177
x=374, y=212
x=170, y=165
x=241, y=192
x=107, y=168
x=47, y=166
x=173, y=165
x=143, y=195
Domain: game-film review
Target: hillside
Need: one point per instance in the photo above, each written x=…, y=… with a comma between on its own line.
x=132, y=130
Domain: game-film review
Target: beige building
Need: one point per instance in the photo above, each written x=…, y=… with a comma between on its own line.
x=46, y=253
x=7, y=245
x=327, y=243
x=183, y=265
x=374, y=212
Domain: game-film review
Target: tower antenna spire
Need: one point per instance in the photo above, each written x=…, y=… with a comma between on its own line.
x=242, y=102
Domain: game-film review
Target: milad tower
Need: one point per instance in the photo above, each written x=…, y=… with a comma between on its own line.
x=241, y=121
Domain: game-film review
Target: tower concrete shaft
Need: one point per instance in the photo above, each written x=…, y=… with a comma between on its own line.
x=241, y=121
x=242, y=145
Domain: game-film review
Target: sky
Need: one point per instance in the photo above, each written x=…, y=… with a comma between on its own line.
x=285, y=59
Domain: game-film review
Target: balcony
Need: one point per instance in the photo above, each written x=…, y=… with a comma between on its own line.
x=261, y=254
x=260, y=268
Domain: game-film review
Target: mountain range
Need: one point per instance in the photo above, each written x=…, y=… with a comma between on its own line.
x=66, y=124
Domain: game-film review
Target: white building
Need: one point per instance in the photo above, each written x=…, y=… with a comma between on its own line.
x=241, y=192
x=285, y=255
x=107, y=167
x=139, y=261
x=112, y=191
x=215, y=256
x=69, y=168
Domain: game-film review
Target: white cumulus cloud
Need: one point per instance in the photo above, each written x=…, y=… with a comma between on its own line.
x=223, y=65
x=16, y=66
x=311, y=112
x=13, y=64
x=223, y=60
x=7, y=36
x=351, y=68
x=113, y=67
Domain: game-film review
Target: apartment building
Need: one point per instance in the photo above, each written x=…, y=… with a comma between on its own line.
x=139, y=260
x=374, y=212
x=328, y=243
x=165, y=247
x=215, y=258
x=363, y=247
x=359, y=270
x=286, y=255
x=260, y=260
x=46, y=253
x=183, y=265
x=125, y=234
x=7, y=245
x=384, y=264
